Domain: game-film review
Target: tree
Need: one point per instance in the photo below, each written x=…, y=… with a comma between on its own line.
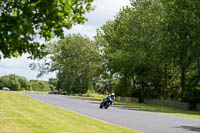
x=53, y=81
x=3, y=82
x=131, y=45
x=22, y=21
x=77, y=62
x=182, y=35
x=18, y=83
x=151, y=48
x=35, y=85
x=14, y=85
x=24, y=83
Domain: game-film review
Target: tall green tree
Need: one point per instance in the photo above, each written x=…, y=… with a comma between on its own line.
x=182, y=35
x=76, y=59
x=130, y=45
x=152, y=48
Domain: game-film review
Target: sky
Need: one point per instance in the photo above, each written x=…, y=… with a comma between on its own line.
x=105, y=10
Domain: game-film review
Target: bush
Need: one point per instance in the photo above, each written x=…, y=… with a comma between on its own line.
x=191, y=96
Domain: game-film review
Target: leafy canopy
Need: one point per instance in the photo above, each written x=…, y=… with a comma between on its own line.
x=23, y=20
x=77, y=61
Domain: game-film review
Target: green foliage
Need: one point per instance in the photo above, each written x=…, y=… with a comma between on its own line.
x=21, y=21
x=191, y=96
x=128, y=47
x=29, y=115
x=19, y=83
x=38, y=85
x=24, y=83
x=53, y=81
x=11, y=81
x=152, y=49
x=77, y=61
x=14, y=84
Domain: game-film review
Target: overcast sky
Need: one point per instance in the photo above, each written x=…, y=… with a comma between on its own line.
x=105, y=10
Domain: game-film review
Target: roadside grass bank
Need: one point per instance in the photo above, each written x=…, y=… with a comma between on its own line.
x=160, y=109
x=141, y=106
x=21, y=114
x=148, y=107
x=36, y=92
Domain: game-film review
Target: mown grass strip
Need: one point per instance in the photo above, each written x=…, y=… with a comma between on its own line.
x=36, y=92
x=161, y=109
x=21, y=114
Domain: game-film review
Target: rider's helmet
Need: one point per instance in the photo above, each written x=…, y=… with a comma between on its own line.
x=113, y=94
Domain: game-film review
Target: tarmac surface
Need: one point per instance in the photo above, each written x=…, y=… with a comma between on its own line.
x=146, y=122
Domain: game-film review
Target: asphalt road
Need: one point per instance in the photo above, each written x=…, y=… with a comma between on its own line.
x=147, y=122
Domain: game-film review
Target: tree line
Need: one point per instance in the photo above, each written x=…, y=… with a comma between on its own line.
x=150, y=50
x=20, y=83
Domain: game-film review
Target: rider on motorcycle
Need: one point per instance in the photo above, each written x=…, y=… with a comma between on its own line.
x=106, y=102
x=112, y=96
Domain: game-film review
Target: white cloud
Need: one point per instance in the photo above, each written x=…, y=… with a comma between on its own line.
x=105, y=10
x=20, y=66
x=87, y=30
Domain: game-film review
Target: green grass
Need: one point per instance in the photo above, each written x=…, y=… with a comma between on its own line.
x=21, y=114
x=36, y=92
x=151, y=108
x=93, y=97
x=161, y=109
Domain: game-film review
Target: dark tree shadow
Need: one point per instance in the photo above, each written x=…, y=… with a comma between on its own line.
x=190, y=128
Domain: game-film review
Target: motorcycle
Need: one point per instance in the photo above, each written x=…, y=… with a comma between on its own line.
x=106, y=102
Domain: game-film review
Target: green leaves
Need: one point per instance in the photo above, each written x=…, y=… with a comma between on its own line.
x=77, y=60
x=43, y=18
x=153, y=46
x=18, y=83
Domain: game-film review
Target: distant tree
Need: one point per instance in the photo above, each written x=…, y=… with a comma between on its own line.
x=14, y=85
x=18, y=83
x=38, y=85
x=35, y=85
x=3, y=81
x=24, y=83
x=76, y=59
x=53, y=81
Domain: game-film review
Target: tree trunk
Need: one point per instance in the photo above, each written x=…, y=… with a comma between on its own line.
x=166, y=76
x=182, y=78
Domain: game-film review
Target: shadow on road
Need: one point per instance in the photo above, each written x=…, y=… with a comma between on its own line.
x=190, y=128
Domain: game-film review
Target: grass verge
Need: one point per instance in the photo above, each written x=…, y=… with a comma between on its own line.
x=161, y=109
x=36, y=92
x=151, y=108
x=21, y=114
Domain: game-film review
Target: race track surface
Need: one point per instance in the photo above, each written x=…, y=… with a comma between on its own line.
x=146, y=122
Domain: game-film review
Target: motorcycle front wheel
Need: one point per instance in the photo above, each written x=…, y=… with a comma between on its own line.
x=107, y=104
x=101, y=105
